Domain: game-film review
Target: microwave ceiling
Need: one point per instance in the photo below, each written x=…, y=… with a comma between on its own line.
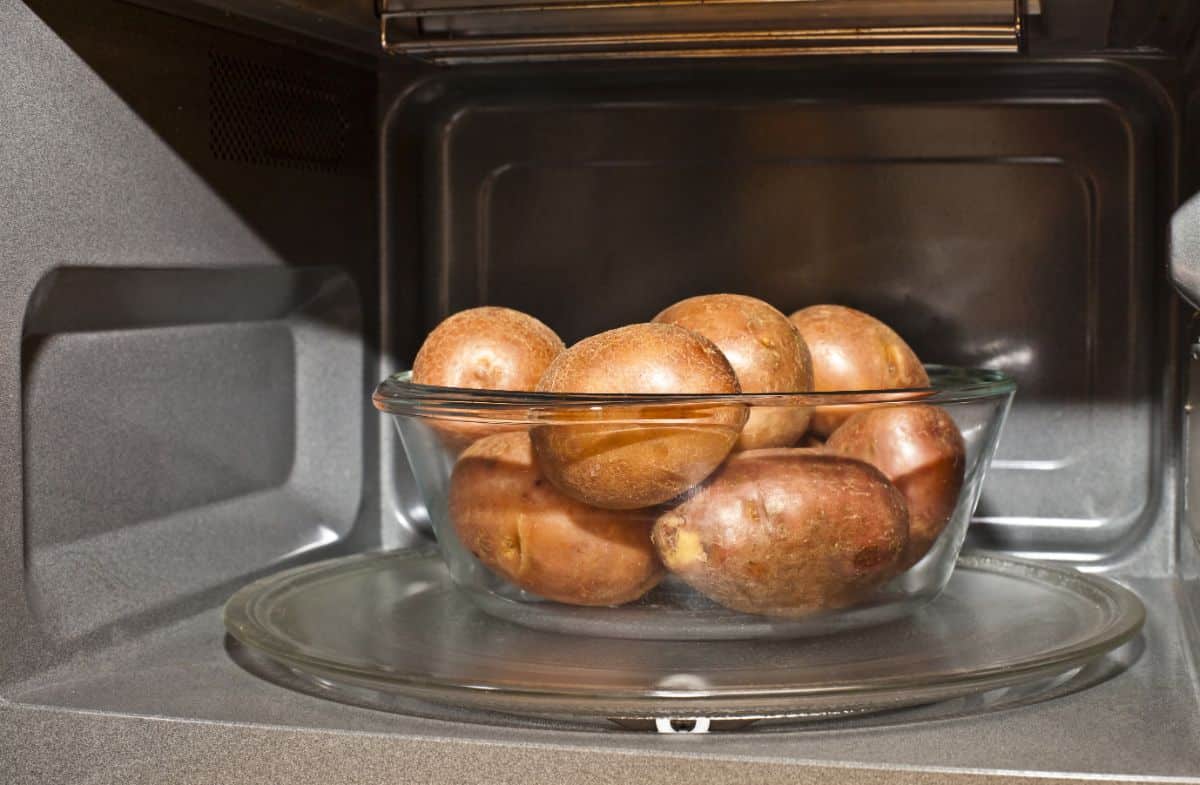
x=461, y=31
x=451, y=32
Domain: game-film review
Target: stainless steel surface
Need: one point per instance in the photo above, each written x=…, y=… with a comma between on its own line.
x=395, y=623
x=993, y=225
x=455, y=33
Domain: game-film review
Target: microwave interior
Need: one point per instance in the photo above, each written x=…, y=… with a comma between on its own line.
x=225, y=222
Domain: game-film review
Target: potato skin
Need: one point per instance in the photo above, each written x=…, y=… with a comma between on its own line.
x=488, y=348
x=786, y=533
x=852, y=350
x=626, y=466
x=516, y=523
x=767, y=354
x=920, y=449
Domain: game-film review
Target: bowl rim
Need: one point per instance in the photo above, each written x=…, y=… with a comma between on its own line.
x=399, y=395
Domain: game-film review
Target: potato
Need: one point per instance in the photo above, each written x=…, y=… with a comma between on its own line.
x=626, y=465
x=920, y=449
x=852, y=350
x=786, y=533
x=516, y=523
x=766, y=352
x=485, y=348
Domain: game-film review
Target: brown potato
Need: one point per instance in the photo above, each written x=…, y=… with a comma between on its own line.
x=516, y=523
x=766, y=352
x=485, y=348
x=628, y=465
x=852, y=350
x=786, y=533
x=918, y=448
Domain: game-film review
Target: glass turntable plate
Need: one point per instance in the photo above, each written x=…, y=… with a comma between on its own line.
x=393, y=622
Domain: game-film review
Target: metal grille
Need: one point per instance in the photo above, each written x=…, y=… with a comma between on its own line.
x=271, y=116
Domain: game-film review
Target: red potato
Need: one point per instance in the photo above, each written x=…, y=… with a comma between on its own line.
x=852, y=350
x=918, y=448
x=516, y=523
x=767, y=354
x=485, y=348
x=638, y=464
x=786, y=533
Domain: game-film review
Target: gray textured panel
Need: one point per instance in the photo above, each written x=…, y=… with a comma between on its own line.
x=1139, y=724
x=85, y=590
x=164, y=460
x=123, y=426
x=81, y=299
x=105, y=173
x=199, y=753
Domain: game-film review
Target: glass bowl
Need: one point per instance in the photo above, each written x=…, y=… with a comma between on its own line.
x=631, y=516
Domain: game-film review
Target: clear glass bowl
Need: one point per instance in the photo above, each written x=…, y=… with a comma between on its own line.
x=628, y=516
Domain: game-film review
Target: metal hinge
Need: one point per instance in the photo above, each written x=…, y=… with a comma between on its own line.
x=452, y=32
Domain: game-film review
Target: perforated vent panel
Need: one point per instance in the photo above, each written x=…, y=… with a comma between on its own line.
x=271, y=116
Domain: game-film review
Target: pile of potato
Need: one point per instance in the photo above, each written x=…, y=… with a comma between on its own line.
x=594, y=508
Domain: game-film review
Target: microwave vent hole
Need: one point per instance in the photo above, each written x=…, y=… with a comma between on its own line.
x=267, y=115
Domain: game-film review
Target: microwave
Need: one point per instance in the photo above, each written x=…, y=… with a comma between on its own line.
x=224, y=221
